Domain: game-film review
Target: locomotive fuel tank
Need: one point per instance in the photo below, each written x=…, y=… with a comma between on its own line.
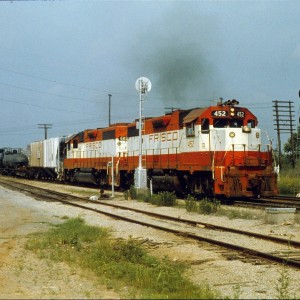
x=85, y=176
x=166, y=183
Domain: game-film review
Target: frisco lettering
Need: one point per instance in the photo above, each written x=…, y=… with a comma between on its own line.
x=164, y=136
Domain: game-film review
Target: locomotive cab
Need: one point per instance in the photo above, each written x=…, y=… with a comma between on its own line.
x=223, y=151
x=241, y=165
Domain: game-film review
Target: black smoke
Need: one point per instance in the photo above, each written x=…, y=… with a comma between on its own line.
x=178, y=54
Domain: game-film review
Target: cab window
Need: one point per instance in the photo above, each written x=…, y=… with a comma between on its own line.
x=204, y=125
x=220, y=123
x=251, y=124
x=236, y=123
x=75, y=144
x=190, y=129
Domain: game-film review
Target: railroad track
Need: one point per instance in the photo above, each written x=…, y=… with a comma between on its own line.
x=275, y=201
x=279, y=201
x=279, y=250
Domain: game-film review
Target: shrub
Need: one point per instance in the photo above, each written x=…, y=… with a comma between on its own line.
x=144, y=197
x=132, y=192
x=191, y=203
x=208, y=206
x=164, y=199
x=126, y=194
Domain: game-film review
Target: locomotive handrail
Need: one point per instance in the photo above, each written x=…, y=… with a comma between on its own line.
x=254, y=148
x=182, y=134
x=155, y=152
x=231, y=147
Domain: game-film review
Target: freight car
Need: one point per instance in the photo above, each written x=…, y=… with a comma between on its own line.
x=46, y=159
x=214, y=151
x=13, y=161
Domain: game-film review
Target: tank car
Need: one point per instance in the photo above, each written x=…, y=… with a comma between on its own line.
x=13, y=161
x=213, y=151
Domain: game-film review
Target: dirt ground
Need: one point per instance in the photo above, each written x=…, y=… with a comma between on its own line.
x=22, y=274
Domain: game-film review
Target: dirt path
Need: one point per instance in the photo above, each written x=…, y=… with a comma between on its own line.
x=22, y=274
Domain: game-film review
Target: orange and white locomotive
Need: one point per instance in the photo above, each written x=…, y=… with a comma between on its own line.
x=215, y=151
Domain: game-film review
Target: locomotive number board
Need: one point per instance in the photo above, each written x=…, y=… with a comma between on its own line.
x=219, y=113
x=224, y=113
x=240, y=114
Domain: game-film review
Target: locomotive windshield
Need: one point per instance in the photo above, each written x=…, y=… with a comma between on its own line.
x=232, y=123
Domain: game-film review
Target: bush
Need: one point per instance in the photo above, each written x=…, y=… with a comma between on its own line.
x=126, y=194
x=144, y=197
x=132, y=192
x=191, y=203
x=208, y=206
x=164, y=199
x=289, y=180
x=289, y=185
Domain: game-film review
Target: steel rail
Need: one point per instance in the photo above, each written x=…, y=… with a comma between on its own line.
x=208, y=225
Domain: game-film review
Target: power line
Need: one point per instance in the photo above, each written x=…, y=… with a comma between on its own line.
x=43, y=92
x=62, y=83
x=47, y=107
x=51, y=80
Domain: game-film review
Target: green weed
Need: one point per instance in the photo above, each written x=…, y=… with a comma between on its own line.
x=126, y=195
x=163, y=199
x=209, y=206
x=283, y=283
x=132, y=192
x=191, y=204
x=119, y=263
x=232, y=213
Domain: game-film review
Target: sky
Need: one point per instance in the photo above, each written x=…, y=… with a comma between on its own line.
x=59, y=60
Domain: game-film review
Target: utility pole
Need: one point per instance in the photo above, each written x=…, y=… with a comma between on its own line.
x=109, y=104
x=284, y=122
x=46, y=127
x=278, y=131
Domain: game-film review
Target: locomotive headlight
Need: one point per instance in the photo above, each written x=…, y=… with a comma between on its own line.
x=246, y=129
x=232, y=134
x=232, y=112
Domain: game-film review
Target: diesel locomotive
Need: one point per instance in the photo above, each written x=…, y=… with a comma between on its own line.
x=214, y=151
